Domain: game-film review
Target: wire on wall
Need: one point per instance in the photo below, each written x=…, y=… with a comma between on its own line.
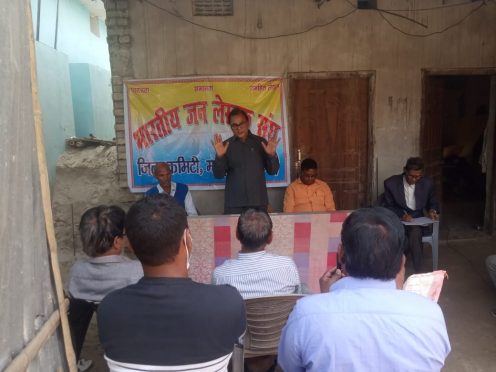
x=463, y=3
x=382, y=13
x=319, y=25
x=470, y=13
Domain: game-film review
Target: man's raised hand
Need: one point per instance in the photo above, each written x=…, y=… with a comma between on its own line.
x=270, y=147
x=219, y=146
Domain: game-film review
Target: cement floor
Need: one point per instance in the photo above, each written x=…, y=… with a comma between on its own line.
x=466, y=300
x=468, y=294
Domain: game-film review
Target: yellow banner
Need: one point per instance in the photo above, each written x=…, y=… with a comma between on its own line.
x=174, y=120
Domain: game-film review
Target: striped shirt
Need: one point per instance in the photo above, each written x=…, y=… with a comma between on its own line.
x=258, y=274
x=217, y=365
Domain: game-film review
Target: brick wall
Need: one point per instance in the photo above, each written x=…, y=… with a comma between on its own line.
x=119, y=41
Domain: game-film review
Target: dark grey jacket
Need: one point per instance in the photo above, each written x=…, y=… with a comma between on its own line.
x=244, y=166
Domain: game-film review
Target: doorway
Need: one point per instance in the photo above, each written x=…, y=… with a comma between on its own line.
x=330, y=117
x=453, y=143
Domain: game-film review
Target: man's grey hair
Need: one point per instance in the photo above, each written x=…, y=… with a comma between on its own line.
x=254, y=228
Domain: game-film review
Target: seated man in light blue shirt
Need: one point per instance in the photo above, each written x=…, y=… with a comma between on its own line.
x=255, y=272
x=364, y=322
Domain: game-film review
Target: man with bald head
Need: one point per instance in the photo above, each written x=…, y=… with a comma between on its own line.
x=178, y=191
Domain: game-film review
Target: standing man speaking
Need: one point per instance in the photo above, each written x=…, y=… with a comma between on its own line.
x=243, y=160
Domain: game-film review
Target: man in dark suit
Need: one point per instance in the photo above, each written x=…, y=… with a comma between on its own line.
x=410, y=195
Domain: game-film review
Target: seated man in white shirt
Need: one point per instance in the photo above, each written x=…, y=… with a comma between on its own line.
x=178, y=191
x=363, y=321
x=255, y=272
x=411, y=195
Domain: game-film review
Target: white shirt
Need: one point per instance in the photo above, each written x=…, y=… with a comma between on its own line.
x=258, y=274
x=409, y=195
x=188, y=201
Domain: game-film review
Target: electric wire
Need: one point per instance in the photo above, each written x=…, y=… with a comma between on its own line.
x=473, y=11
x=319, y=25
x=381, y=12
x=433, y=8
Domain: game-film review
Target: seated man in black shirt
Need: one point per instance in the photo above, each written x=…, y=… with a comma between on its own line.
x=166, y=320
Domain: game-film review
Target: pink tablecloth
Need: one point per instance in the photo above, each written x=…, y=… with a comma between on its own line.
x=311, y=239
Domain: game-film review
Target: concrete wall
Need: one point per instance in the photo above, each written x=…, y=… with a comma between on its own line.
x=92, y=100
x=71, y=42
x=159, y=44
x=54, y=87
x=27, y=292
x=74, y=37
x=101, y=97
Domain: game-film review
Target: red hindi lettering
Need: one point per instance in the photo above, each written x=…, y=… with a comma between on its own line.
x=140, y=139
x=266, y=127
x=162, y=126
x=196, y=111
x=221, y=110
x=173, y=118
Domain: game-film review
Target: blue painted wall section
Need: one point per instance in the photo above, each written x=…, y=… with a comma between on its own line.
x=73, y=75
x=91, y=98
x=54, y=87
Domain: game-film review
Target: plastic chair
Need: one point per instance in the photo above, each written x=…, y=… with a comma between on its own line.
x=266, y=317
x=433, y=240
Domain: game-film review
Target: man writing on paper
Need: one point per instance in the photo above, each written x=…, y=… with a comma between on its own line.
x=307, y=193
x=410, y=195
x=178, y=191
x=363, y=321
x=243, y=160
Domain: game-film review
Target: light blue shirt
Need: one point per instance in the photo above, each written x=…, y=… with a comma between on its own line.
x=364, y=325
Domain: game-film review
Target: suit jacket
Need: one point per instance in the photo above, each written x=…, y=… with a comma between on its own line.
x=425, y=196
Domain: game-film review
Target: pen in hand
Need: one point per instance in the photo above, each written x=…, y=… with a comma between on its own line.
x=406, y=217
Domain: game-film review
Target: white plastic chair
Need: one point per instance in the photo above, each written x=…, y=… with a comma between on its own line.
x=432, y=239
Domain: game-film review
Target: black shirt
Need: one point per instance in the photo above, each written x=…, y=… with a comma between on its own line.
x=244, y=166
x=170, y=321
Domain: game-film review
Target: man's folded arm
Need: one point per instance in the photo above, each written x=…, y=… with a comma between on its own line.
x=390, y=204
x=271, y=164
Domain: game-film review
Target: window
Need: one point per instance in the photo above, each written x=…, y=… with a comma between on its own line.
x=95, y=25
